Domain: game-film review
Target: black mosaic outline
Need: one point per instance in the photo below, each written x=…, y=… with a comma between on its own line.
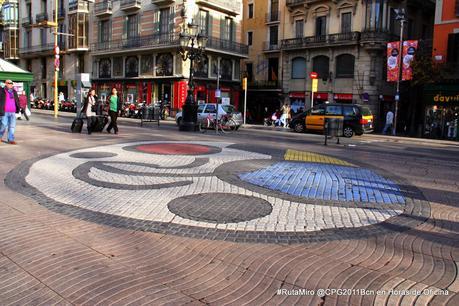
x=89, y=155
x=212, y=149
x=196, y=207
x=417, y=211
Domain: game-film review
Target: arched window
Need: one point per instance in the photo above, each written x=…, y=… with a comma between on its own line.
x=345, y=66
x=105, y=68
x=321, y=65
x=201, y=68
x=132, y=66
x=298, y=68
x=164, y=64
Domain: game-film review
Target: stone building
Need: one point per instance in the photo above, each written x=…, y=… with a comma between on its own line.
x=344, y=41
x=135, y=48
x=9, y=30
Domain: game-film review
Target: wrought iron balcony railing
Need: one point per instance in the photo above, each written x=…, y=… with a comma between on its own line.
x=140, y=42
x=227, y=45
x=264, y=84
x=378, y=35
x=320, y=40
x=130, y=4
x=49, y=47
x=271, y=46
x=26, y=21
x=103, y=8
x=41, y=17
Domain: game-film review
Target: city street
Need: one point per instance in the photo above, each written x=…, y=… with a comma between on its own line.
x=259, y=217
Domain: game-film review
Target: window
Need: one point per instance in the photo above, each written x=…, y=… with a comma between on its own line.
x=210, y=108
x=318, y=110
x=453, y=48
x=299, y=28
x=81, y=63
x=321, y=65
x=249, y=69
x=345, y=66
x=226, y=69
x=227, y=26
x=43, y=36
x=164, y=21
x=43, y=68
x=105, y=68
x=132, y=66
x=204, y=22
x=334, y=110
x=249, y=38
x=118, y=66
x=250, y=10
x=201, y=108
x=201, y=67
x=273, y=35
x=298, y=68
x=346, y=25
x=104, y=31
x=349, y=111
x=146, y=66
x=457, y=8
x=164, y=64
x=133, y=26
x=321, y=26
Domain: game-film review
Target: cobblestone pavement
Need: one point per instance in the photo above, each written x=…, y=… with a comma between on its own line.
x=82, y=222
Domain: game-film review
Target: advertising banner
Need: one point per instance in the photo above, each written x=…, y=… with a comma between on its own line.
x=393, y=58
x=409, y=50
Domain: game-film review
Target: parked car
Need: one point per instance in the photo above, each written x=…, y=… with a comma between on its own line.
x=209, y=108
x=357, y=119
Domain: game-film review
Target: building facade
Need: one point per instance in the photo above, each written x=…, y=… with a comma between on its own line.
x=344, y=41
x=135, y=48
x=9, y=30
x=441, y=100
x=36, y=44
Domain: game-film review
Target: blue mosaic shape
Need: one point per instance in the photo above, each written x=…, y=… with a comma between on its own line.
x=326, y=182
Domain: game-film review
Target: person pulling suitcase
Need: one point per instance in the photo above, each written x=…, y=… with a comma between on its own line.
x=89, y=103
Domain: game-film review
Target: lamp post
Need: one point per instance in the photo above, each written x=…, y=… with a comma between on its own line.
x=192, y=45
x=400, y=17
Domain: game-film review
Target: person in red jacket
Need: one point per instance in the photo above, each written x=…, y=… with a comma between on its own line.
x=23, y=104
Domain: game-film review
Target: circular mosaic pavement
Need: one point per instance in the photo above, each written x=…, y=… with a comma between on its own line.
x=220, y=191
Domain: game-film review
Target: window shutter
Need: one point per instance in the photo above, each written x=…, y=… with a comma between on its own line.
x=222, y=27
x=171, y=20
x=99, y=31
x=233, y=30
x=125, y=28
x=209, y=26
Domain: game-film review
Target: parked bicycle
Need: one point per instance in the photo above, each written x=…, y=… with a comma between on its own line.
x=226, y=124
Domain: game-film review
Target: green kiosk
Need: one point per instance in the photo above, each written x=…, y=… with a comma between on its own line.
x=21, y=78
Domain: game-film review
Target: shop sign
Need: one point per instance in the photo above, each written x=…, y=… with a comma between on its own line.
x=343, y=97
x=298, y=95
x=321, y=96
x=446, y=98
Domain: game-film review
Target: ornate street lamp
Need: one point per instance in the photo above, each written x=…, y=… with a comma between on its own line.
x=192, y=47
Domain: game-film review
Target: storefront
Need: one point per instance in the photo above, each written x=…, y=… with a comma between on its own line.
x=342, y=98
x=441, y=111
x=21, y=78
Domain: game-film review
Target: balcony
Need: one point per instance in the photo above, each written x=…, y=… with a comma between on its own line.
x=377, y=39
x=130, y=5
x=41, y=17
x=78, y=6
x=254, y=85
x=227, y=46
x=26, y=21
x=292, y=3
x=38, y=49
x=162, y=2
x=272, y=17
x=137, y=43
x=103, y=9
x=271, y=46
x=337, y=39
x=224, y=6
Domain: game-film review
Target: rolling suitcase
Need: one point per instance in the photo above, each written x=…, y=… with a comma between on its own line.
x=77, y=125
x=99, y=123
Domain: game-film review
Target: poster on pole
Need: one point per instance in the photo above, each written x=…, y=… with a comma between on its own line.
x=393, y=59
x=409, y=50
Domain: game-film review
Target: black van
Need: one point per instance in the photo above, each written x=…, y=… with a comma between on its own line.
x=358, y=119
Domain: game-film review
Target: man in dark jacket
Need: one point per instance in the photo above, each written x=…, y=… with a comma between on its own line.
x=9, y=107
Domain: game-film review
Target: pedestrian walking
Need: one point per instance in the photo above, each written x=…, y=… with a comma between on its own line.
x=23, y=105
x=9, y=107
x=389, y=122
x=61, y=97
x=90, y=115
x=285, y=115
x=114, y=107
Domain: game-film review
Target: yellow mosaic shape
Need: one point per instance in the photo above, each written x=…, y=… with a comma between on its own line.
x=304, y=156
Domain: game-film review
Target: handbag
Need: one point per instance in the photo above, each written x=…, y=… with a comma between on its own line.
x=27, y=112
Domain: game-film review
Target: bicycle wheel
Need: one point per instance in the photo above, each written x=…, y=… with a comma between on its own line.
x=228, y=126
x=204, y=125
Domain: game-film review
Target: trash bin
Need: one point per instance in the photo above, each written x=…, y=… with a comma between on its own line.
x=333, y=127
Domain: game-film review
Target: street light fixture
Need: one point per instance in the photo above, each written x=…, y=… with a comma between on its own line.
x=192, y=46
x=400, y=16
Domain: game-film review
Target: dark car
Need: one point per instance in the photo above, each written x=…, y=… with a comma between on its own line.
x=358, y=119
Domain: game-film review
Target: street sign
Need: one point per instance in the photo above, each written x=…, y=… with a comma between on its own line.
x=313, y=75
x=218, y=93
x=244, y=83
x=315, y=83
